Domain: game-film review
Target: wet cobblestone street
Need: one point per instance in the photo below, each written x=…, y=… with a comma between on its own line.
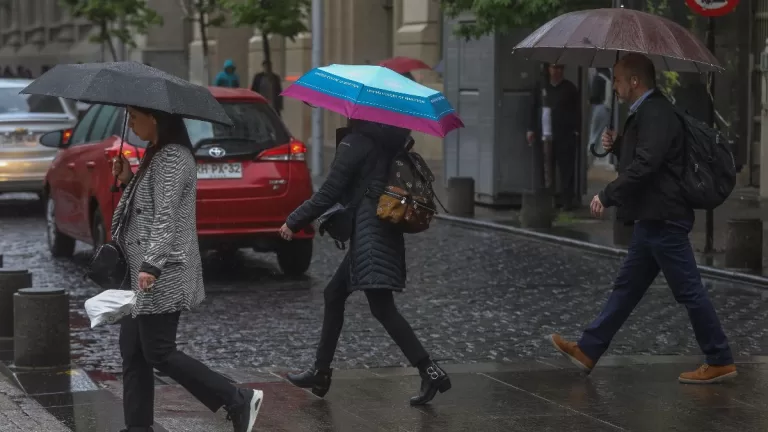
x=473, y=296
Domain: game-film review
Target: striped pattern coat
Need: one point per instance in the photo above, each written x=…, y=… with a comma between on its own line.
x=160, y=236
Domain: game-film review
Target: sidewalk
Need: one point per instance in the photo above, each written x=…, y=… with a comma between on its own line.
x=631, y=393
x=21, y=413
x=580, y=225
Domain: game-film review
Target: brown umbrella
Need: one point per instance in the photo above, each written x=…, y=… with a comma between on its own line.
x=597, y=38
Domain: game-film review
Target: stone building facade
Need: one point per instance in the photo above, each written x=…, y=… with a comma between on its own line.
x=356, y=32
x=38, y=33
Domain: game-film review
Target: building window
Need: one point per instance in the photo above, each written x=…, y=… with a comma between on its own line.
x=56, y=15
x=7, y=6
x=31, y=12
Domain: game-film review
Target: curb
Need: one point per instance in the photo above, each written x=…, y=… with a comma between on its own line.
x=710, y=272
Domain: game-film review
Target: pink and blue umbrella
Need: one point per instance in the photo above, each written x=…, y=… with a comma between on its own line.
x=377, y=94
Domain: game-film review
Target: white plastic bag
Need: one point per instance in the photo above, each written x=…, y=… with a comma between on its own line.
x=110, y=306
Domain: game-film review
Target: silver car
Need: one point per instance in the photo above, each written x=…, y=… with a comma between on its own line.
x=23, y=119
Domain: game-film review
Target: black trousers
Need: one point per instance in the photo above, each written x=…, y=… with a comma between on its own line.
x=382, y=304
x=149, y=341
x=565, y=152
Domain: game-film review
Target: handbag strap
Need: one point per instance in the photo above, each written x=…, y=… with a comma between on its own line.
x=128, y=202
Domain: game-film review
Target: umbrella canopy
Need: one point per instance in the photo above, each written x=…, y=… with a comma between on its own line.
x=130, y=84
x=596, y=38
x=376, y=94
x=404, y=64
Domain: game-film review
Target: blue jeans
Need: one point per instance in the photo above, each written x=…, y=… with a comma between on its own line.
x=659, y=245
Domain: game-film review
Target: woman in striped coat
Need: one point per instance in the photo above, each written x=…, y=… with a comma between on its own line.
x=159, y=239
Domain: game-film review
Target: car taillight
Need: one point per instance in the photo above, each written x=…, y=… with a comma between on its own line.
x=293, y=151
x=133, y=155
x=65, y=136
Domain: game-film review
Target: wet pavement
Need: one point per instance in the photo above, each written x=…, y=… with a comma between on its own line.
x=473, y=296
x=623, y=394
x=481, y=301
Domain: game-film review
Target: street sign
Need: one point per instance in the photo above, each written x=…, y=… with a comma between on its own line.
x=712, y=8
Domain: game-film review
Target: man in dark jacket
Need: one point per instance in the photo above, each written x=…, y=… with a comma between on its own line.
x=561, y=122
x=648, y=193
x=267, y=83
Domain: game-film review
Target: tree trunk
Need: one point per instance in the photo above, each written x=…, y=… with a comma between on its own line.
x=204, y=41
x=108, y=39
x=265, y=47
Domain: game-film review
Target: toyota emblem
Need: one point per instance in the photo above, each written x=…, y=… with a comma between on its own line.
x=216, y=152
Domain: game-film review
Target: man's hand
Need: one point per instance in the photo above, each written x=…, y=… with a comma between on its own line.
x=146, y=281
x=531, y=136
x=286, y=233
x=596, y=207
x=609, y=137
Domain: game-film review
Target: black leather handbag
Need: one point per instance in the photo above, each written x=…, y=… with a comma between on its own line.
x=108, y=266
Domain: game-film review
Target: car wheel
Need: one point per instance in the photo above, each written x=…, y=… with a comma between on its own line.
x=98, y=231
x=294, y=257
x=60, y=245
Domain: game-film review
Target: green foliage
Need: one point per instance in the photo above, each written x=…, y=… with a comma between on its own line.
x=107, y=15
x=208, y=13
x=272, y=17
x=503, y=16
x=668, y=81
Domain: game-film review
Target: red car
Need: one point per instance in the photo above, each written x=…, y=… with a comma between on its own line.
x=250, y=177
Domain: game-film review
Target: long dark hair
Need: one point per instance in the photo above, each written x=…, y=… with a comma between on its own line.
x=171, y=129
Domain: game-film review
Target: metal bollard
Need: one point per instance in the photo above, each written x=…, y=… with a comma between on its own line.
x=41, y=331
x=1, y=260
x=461, y=196
x=11, y=280
x=744, y=244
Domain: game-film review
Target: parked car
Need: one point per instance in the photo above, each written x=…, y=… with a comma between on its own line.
x=250, y=177
x=23, y=119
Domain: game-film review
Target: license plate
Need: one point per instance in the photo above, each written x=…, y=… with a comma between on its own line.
x=220, y=171
x=11, y=141
x=19, y=140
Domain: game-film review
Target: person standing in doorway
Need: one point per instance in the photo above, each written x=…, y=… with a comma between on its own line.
x=268, y=84
x=561, y=123
x=228, y=76
x=648, y=192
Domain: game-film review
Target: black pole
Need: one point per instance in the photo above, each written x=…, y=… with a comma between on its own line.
x=710, y=217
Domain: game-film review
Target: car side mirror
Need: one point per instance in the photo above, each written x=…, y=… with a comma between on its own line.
x=53, y=139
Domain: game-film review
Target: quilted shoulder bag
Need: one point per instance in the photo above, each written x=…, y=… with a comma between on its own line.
x=108, y=266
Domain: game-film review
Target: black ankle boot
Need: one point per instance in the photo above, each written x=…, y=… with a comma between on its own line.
x=433, y=379
x=319, y=380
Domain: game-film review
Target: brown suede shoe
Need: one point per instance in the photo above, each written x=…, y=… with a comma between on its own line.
x=707, y=374
x=572, y=352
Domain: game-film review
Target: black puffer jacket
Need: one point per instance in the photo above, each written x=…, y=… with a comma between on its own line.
x=377, y=248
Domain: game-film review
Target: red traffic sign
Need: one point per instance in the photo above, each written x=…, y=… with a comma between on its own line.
x=712, y=8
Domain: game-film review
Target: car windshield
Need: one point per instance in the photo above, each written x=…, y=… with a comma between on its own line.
x=11, y=102
x=252, y=122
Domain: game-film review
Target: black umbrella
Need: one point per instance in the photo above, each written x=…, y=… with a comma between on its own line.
x=130, y=84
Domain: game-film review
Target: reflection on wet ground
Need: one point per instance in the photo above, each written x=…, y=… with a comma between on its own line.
x=627, y=393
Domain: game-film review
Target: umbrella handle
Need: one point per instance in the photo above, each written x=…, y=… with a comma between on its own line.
x=595, y=153
x=610, y=127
